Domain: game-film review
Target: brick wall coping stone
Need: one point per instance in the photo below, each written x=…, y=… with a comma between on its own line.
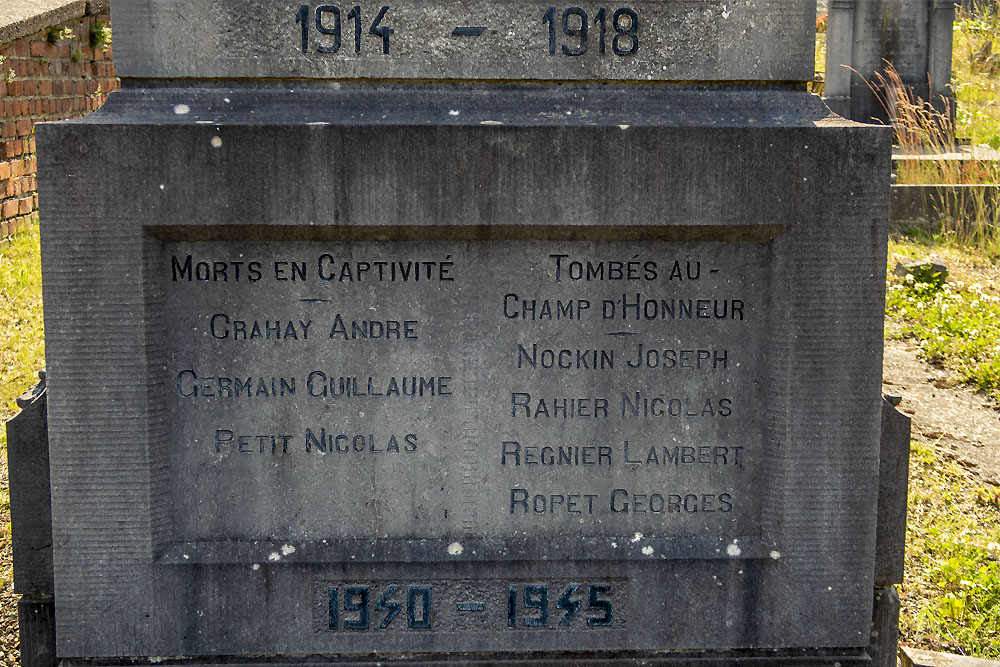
x=19, y=18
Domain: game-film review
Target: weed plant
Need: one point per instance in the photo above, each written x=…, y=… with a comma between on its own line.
x=956, y=325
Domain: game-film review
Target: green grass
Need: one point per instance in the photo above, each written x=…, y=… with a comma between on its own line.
x=955, y=324
x=951, y=593
x=21, y=355
x=819, y=56
x=23, y=341
x=951, y=589
x=975, y=79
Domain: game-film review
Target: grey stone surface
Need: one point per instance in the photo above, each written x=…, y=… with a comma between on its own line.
x=36, y=626
x=179, y=536
x=785, y=658
x=31, y=524
x=914, y=35
x=885, y=627
x=20, y=18
x=705, y=40
x=894, y=460
x=30, y=504
x=931, y=203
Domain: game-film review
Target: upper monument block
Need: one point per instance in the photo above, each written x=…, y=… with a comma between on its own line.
x=514, y=40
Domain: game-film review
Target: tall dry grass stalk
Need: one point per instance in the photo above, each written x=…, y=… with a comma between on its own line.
x=962, y=203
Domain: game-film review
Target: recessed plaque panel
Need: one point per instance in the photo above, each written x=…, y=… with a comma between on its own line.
x=406, y=391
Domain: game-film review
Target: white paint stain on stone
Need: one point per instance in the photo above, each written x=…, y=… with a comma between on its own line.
x=181, y=109
x=775, y=555
x=216, y=142
x=734, y=549
x=623, y=127
x=490, y=122
x=455, y=549
x=647, y=550
x=255, y=567
x=287, y=549
x=274, y=556
x=454, y=112
x=636, y=537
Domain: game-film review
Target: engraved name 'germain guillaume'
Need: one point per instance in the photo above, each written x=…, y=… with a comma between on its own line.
x=317, y=384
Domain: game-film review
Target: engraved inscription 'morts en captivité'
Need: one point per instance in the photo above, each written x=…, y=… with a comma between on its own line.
x=390, y=391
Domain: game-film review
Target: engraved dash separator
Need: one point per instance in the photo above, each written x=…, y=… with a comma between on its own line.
x=468, y=30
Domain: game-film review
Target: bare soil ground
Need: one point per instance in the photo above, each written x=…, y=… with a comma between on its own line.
x=9, y=653
x=961, y=422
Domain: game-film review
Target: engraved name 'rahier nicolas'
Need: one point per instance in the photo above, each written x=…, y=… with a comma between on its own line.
x=524, y=405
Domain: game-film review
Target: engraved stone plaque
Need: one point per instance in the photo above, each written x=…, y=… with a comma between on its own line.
x=584, y=388
x=384, y=378
x=524, y=40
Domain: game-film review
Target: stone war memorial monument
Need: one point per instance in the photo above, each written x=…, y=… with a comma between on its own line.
x=464, y=332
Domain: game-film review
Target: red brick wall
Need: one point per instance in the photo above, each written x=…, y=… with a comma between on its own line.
x=41, y=80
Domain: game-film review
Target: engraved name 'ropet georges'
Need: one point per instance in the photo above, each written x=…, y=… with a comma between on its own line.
x=621, y=386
